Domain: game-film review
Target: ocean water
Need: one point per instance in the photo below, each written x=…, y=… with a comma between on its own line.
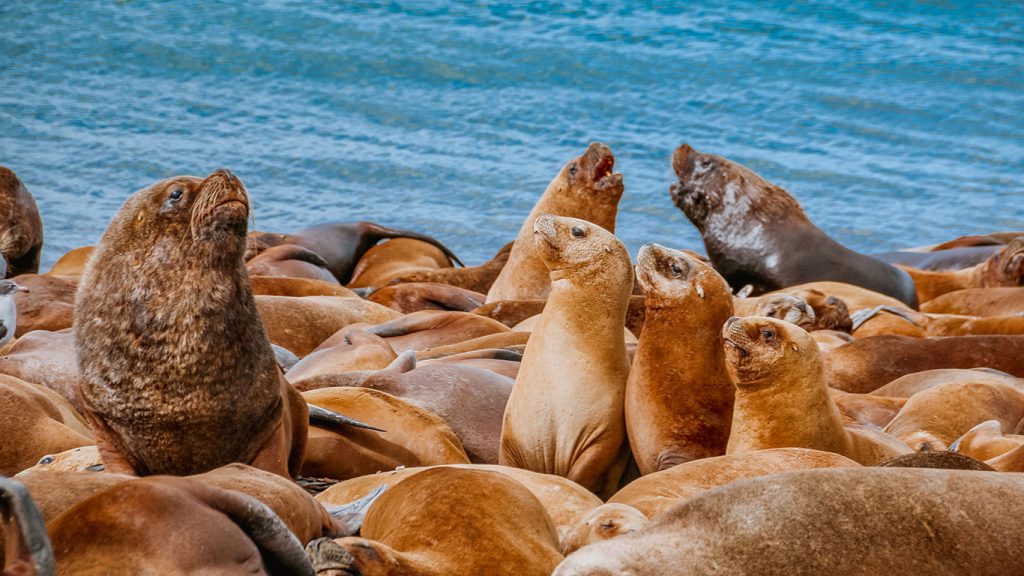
x=894, y=123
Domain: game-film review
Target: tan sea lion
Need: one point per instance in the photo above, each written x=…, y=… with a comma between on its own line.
x=654, y=493
x=433, y=328
x=417, y=296
x=413, y=436
x=474, y=278
x=782, y=399
x=1005, y=268
x=387, y=261
x=363, y=351
x=224, y=532
x=678, y=402
x=978, y=302
x=447, y=521
x=910, y=384
x=297, y=287
x=865, y=365
x=47, y=359
x=788, y=307
x=301, y=324
x=934, y=418
x=73, y=262
x=565, y=415
x=81, y=459
x=21, y=240
x=605, y=522
x=588, y=188
x=867, y=409
x=340, y=244
x=35, y=422
x=987, y=441
x=567, y=503
x=47, y=303
x=290, y=261
x=883, y=320
x=177, y=372
x=830, y=521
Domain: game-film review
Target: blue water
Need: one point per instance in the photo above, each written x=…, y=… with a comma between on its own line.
x=894, y=123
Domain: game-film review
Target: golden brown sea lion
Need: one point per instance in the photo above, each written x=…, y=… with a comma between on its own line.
x=986, y=441
x=433, y=328
x=363, y=351
x=978, y=302
x=865, y=365
x=654, y=493
x=73, y=262
x=416, y=296
x=910, y=384
x=297, y=287
x=34, y=422
x=678, y=402
x=883, y=320
x=782, y=399
x=177, y=372
x=290, y=261
x=474, y=278
x=586, y=188
x=565, y=415
x=447, y=521
x=853, y=297
x=47, y=359
x=21, y=240
x=830, y=521
x=301, y=324
x=1005, y=268
x=387, y=261
x=47, y=303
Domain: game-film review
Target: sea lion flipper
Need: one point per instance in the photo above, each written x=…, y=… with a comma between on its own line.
x=28, y=545
x=327, y=555
x=324, y=416
x=348, y=518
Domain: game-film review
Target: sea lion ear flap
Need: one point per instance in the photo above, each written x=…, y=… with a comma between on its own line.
x=608, y=248
x=794, y=346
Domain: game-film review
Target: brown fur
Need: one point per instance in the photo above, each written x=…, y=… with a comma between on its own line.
x=34, y=422
x=657, y=492
x=498, y=360
x=867, y=409
x=509, y=340
x=363, y=352
x=939, y=460
x=910, y=384
x=865, y=365
x=413, y=437
x=585, y=188
x=73, y=262
x=290, y=261
x=177, y=372
x=387, y=261
x=511, y=313
x=433, y=328
x=782, y=399
x=921, y=325
x=788, y=307
x=448, y=521
x=565, y=415
x=603, y=523
x=829, y=521
x=473, y=278
x=21, y=241
x=853, y=297
x=678, y=402
x=301, y=324
x=47, y=359
x=987, y=441
x=414, y=297
x=297, y=287
x=978, y=302
x=48, y=305
x=1002, y=269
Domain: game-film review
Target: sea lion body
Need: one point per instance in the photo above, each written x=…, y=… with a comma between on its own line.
x=586, y=188
x=21, y=228
x=678, y=402
x=474, y=278
x=384, y=262
x=1004, y=301
x=756, y=233
x=565, y=415
x=416, y=296
x=290, y=261
x=177, y=372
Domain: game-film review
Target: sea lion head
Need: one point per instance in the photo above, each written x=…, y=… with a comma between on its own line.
x=673, y=277
x=592, y=175
x=711, y=187
x=571, y=247
x=758, y=348
x=788, y=307
x=603, y=523
x=1010, y=263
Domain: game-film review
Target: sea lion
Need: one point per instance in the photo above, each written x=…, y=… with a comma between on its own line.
x=414, y=437
x=978, y=302
x=756, y=233
x=177, y=372
x=301, y=324
x=565, y=415
x=934, y=418
x=363, y=351
x=297, y=287
x=224, y=532
x=867, y=364
x=290, y=261
x=1010, y=461
x=829, y=521
x=473, y=278
x=588, y=188
x=81, y=459
x=447, y=521
x=948, y=259
x=26, y=549
x=340, y=244
x=47, y=359
x=830, y=312
x=910, y=384
x=986, y=441
x=389, y=260
x=417, y=296
x=433, y=328
x=1002, y=269
x=567, y=503
x=21, y=239
x=73, y=262
x=883, y=320
x=678, y=402
x=853, y=297
x=782, y=399
x=46, y=303
x=788, y=307
x=654, y=493
x=35, y=422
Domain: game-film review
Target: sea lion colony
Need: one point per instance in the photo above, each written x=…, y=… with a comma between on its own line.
x=172, y=398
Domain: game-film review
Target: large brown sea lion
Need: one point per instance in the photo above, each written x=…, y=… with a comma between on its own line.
x=756, y=233
x=587, y=188
x=447, y=521
x=177, y=372
x=834, y=521
x=565, y=415
x=782, y=399
x=340, y=244
x=678, y=402
x=21, y=228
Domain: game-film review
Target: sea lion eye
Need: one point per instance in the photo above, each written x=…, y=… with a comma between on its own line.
x=46, y=460
x=676, y=270
x=578, y=232
x=573, y=169
x=767, y=333
x=175, y=195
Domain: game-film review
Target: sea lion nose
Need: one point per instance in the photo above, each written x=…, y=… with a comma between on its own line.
x=731, y=321
x=228, y=174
